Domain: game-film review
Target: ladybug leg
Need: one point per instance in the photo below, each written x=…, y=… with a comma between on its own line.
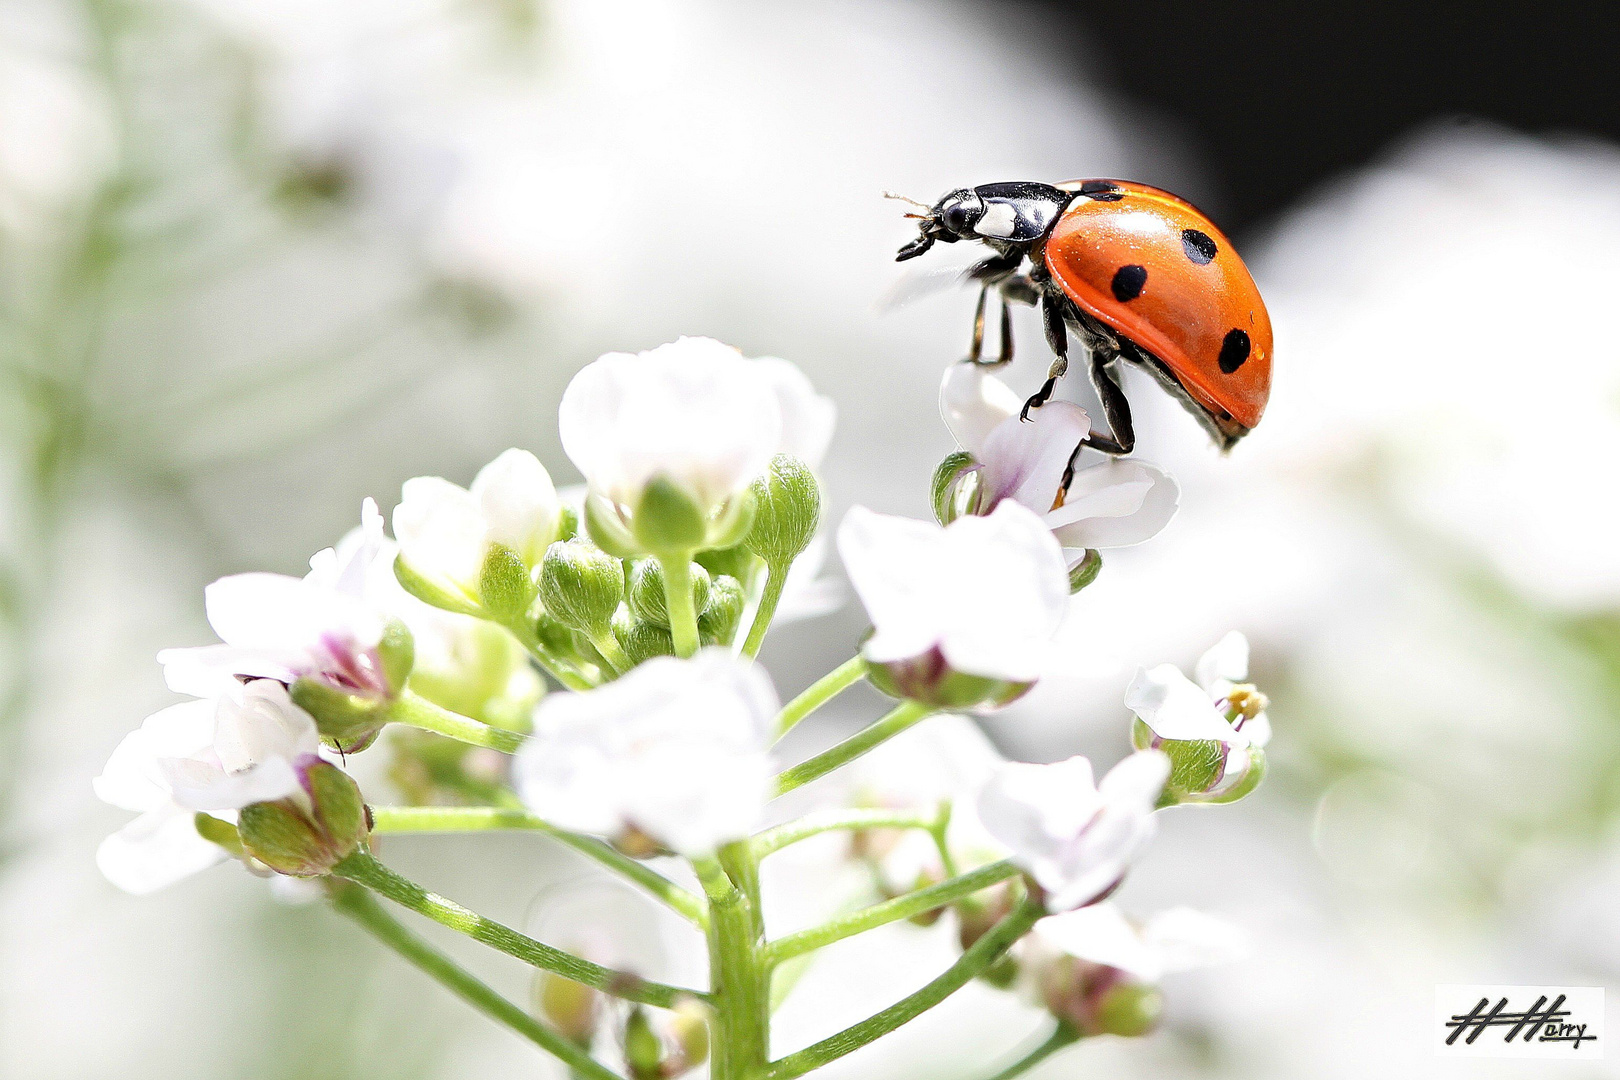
x=977, y=348
x=1058, y=338
x=1121, y=437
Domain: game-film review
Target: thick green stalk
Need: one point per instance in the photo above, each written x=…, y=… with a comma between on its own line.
x=775, y=579
x=820, y=692
x=360, y=906
x=739, y=985
x=899, y=719
x=417, y=711
x=362, y=869
x=1063, y=1036
x=441, y=819
x=976, y=960
x=678, y=602
x=901, y=907
x=781, y=836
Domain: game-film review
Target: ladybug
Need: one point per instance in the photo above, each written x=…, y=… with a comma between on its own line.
x=1140, y=274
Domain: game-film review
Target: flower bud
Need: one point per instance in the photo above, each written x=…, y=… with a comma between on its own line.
x=306, y=837
x=718, y=623
x=643, y=1050
x=567, y=522
x=787, y=511
x=647, y=597
x=641, y=641
x=349, y=722
x=1096, y=999
x=481, y=671
x=688, y=1036
x=431, y=591
x=946, y=491
x=736, y=561
x=929, y=679
x=505, y=588
x=581, y=585
x=574, y=1009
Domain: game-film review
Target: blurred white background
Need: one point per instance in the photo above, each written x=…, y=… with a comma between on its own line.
x=260, y=261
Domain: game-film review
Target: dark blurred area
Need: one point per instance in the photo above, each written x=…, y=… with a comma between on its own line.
x=1273, y=97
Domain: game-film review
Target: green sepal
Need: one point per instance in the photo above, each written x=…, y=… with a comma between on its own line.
x=942, y=489
x=666, y=520
x=505, y=588
x=219, y=832
x=647, y=598
x=1085, y=571
x=289, y=840
x=607, y=530
x=350, y=722
x=567, y=522
x=732, y=524
x=1196, y=766
x=431, y=592
x=397, y=653
x=736, y=561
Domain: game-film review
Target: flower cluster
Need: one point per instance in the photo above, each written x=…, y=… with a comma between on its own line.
x=582, y=663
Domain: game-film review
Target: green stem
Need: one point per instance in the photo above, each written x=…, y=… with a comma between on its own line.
x=772, y=840
x=557, y=667
x=775, y=579
x=820, y=692
x=459, y=819
x=360, y=906
x=417, y=711
x=739, y=990
x=901, y=907
x=678, y=601
x=1063, y=1036
x=985, y=952
x=606, y=644
x=899, y=719
x=362, y=869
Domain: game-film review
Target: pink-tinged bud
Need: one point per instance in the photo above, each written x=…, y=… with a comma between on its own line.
x=306, y=836
x=574, y=1009
x=928, y=678
x=1096, y=999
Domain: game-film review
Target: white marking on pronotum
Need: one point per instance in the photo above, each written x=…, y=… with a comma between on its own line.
x=999, y=220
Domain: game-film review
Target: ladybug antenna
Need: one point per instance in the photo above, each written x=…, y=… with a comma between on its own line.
x=913, y=202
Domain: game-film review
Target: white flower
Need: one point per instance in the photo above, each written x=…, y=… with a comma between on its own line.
x=214, y=755
x=274, y=626
x=1075, y=838
x=445, y=531
x=1179, y=939
x=1175, y=708
x=694, y=412
x=676, y=749
x=1116, y=503
x=987, y=592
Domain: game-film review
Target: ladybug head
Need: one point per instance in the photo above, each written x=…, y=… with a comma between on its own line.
x=947, y=221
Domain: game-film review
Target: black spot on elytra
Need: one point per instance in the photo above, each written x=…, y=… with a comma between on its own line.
x=1128, y=282
x=1199, y=246
x=1101, y=190
x=1234, y=350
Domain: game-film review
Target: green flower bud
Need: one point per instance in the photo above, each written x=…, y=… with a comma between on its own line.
x=641, y=641
x=736, y=561
x=647, y=599
x=567, y=522
x=689, y=1036
x=505, y=588
x=1085, y=571
x=581, y=585
x=945, y=490
x=1129, y=1010
x=929, y=679
x=787, y=511
x=397, y=654
x=307, y=837
x=667, y=520
x=574, y=1009
x=486, y=676
x=718, y=623
x=431, y=592
x=643, y=1050
x=350, y=722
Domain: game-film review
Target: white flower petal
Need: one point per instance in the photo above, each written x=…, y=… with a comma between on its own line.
x=519, y=503
x=676, y=748
x=274, y=612
x=1101, y=934
x=132, y=778
x=973, y=403
x=157, y=849
x=1026, y=461
x=441, y=531
x=1185, y=939
x=1175, y=708
x=260, y=723
x=1116, y=503
x=1226, y=662
x=808, y=418
x=211, y=670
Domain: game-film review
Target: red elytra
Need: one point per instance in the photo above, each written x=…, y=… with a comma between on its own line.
x=1155, y=269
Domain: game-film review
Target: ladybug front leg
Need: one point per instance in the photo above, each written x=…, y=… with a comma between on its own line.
x=1058, y=338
